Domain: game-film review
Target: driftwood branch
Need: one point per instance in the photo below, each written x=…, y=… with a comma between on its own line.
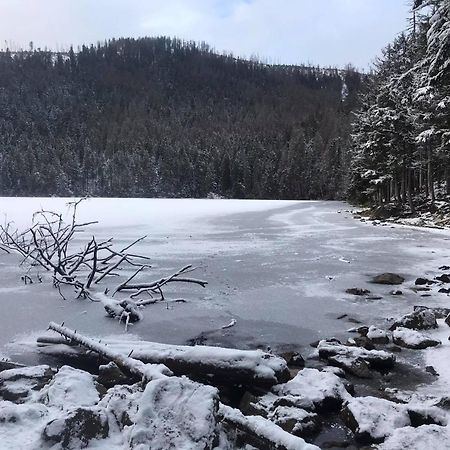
x=48, y=244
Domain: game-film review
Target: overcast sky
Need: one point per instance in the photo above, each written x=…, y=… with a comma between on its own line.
x=323, y=32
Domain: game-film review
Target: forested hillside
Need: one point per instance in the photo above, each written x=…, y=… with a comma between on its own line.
x=402, y=132
x=162, y=117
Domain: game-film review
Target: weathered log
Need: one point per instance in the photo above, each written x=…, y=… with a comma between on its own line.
x=249, y=367
x=263, y=433
x=129, y=365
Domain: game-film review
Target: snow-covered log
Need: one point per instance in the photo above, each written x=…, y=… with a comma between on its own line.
x=252, y=367
x=129, y=365
x=262, y=432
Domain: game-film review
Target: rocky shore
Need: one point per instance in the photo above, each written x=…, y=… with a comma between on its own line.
x=365, y=392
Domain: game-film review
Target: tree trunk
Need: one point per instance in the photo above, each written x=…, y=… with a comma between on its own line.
x=430, y=175
x=409, y=191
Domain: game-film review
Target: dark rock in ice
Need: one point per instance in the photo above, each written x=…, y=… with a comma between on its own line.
x=396, y=292
x=388, y=278
x=444, y=278
x=439, y=312
x=417, y=320
x=432, y=370
x=423, y=282
x=357, y=291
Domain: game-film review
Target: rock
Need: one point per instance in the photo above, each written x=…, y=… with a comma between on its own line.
x=122, y=403
x=362, y=341
x=77, y=428
x=374, y=297
x=423, y=281
x=420, y=289
x=354, y=366
x=396, y=292
x=373, y=419
x=447, y=320
x=424, y=437
x=21, y=414
x=377, y=336
x=376, y=359
x=405, y=337
x=388, y=278
x=384, y=212
x=444, y=291
x=314, y=344
x=353, y=320
x=342, y=316
x=422, y=415
x=333, y=369
x=312, y=390
x=417, y=320
x=293, y=359
x=109, y=375
x=362, y=330
x=445, y=278
x=439, y=312
x=357, y=291
x=249, y=405
x=19, y=383
x=70, y=388
x=444, y=268
x=176, y=413
x=393, y=348
x=296, y=421
x=432, y=370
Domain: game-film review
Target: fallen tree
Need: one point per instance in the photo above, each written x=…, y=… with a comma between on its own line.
x=248, y=367
x=49, y=245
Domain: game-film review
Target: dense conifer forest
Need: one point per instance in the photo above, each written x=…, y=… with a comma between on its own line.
x=402, y=131
x=163, y=117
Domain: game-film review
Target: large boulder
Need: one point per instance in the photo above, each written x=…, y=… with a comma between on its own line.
x=417, y=320
x=388, y=278
x=405, y=337
x=76, y=429
x=373, y=419
x=176, y=413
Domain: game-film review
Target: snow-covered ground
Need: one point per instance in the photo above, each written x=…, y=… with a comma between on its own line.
x=279, y=268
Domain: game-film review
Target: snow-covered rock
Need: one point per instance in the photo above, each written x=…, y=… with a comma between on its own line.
x=70, y=388
x=417, y=320
x=377, y=335
x=376, y=359
x=405, y=337
x=373, y=419
x=425, y=437
x=176, y=413
x=20, y=383
x=76, y=429
x=313, y=390
x=295, y=420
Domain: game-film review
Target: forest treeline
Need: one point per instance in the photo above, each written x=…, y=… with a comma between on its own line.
x=164, y=117
x=402, y=130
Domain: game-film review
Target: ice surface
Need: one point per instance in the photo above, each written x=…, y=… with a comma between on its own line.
x=275, y=267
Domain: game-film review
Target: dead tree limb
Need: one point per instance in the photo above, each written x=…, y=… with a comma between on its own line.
x=136, y=368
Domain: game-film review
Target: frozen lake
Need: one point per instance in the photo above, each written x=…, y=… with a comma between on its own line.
x=279, y=268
